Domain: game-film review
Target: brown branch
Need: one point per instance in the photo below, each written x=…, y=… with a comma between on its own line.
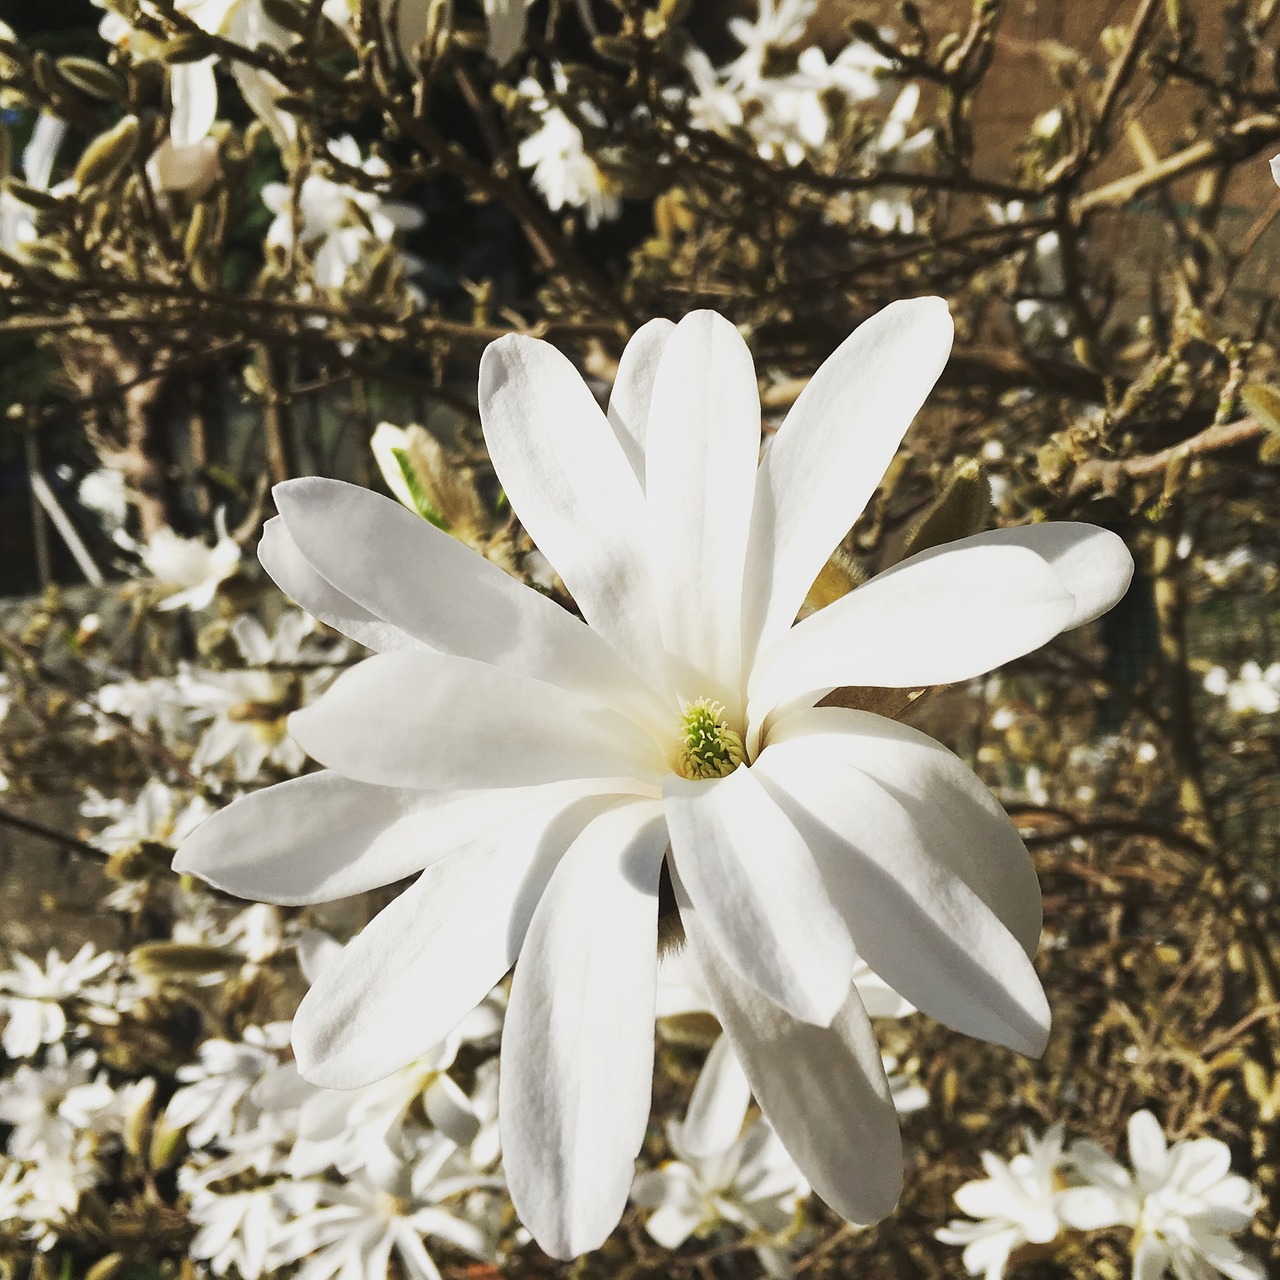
x=9, y=819
x=1242, y=139
x=1109, y=475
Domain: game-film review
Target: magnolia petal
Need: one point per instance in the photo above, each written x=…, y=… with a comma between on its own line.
x=193, y=93
x=434, y=953
x=822, y=1088
x=577, y=1048
x=450, y=1110
x=828, y=456
x=293, y=574
x=759, y=893
x=1147, y=1147
x=947, y=614
x=968, y=834
x=918, y=924
x=402, y=569
x=701, y=452
x=260, y=89
x=718, y=1104
x=633, y=388
x=1087, y=1208
x=442, y=723
x=1093, y=564
x=878, y=998
x=571, y=485
x=1152, y=1257
x=1199, y=1164
x=670, y=1225
x=322, y=836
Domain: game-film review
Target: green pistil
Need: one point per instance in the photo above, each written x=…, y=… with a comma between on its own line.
x=708, y=747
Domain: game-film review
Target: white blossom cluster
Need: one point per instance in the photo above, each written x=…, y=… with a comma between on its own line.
x=1180, y=1204
x=791, y=101
x=1253, y=691
x=232, y=716
x=62, y=1117
x=282, y=1174
x=781, y=94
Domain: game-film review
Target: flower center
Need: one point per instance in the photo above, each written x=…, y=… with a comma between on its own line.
x=708, y=747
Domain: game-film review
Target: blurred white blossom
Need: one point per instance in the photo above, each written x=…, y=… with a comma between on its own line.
x=563, y=170
x=33, y=995
x=338, y=224
x=1254, y=691
x=1025, y=1200
x=190, y=565
x=1182, y=1202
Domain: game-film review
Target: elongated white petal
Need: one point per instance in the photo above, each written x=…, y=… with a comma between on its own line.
x=701, y=452
x=577, y=1048
x=878, y=998
x=322, y=836
x=898, y=861
x=438, y=722
x=822, y=1088
x=1148, y=1149
x=942, y=616
x=293, y=574
x=401, y=569
x=967, y=831
x=718, y=1104
x=1093, y=564
x=424, y=962
x=193, y=94
x=632, y=389
x=570, y=483
x=824, y=464
x=759, y=893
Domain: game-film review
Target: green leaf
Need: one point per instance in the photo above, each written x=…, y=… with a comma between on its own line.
x=419, y=495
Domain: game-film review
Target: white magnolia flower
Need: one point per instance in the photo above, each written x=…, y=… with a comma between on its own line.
x=754, y=1185
x=214, y=1103
x=1026, y=1200
x=790, y=114
x=542, y=772
x=246, y=710
x=147, y=705
x=34, y=995
x=159, y=814
x=354, y=1129
x=1183, y=1203
x=52, y=1187
x=190, y=565
x=563, y=170
x=362, y=1223
x=890, y=208
x=103, y=492
x=1253, y=692
x=779, y=24
x=51, y=1106
x=241, y=1231
x=338, y=224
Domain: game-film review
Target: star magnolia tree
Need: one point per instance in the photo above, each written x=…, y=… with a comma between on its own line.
x=545, y=775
